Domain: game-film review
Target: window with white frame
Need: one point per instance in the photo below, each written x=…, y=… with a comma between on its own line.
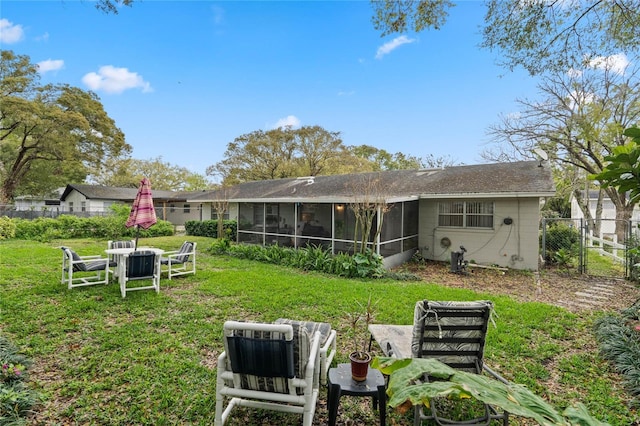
x=466, y=214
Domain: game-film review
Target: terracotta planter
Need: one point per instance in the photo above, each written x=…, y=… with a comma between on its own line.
x=359, y=365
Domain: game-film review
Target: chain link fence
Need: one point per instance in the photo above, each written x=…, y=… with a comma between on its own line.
x=606, y=248
x=562, y=243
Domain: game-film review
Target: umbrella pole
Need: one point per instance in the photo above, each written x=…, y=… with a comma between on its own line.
x=135, y=246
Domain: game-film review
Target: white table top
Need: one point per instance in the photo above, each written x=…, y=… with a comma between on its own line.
x=394, y=340
x=129, y=250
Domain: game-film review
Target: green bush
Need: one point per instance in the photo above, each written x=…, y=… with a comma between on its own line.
x=209, y=228
x=16, y=399
x=111, y=227
x=620, y=344
x=314, y=258
x=560, y=237
x=7, y=228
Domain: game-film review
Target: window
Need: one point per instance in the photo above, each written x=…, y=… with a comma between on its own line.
x=466, y=214
x=172, y=208
x=71, y=206
x=214, y=214
x=83, y=206
x=187, y=208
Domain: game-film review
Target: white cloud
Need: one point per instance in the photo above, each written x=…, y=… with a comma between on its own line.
x=43, y=37
x=289, y=121
x=218, y=14
x=50, y=65
x=617, y=63
x=9, y=32
x=392, y=45
x=345, y=93
x=577, y=99
x=574, y=73
x=115, y=80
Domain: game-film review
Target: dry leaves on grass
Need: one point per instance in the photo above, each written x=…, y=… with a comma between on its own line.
x=546, y=286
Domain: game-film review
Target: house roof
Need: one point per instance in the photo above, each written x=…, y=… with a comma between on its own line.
x=518, y=179
x=93, y=192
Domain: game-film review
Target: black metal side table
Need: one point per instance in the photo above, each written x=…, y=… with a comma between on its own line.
x=340, y=383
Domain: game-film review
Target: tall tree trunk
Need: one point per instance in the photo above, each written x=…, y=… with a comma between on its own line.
x=624, y=211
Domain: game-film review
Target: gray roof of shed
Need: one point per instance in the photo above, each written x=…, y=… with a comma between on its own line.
x=96, y=192
x=523, y=179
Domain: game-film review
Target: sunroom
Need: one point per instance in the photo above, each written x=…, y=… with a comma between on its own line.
x=328, y=225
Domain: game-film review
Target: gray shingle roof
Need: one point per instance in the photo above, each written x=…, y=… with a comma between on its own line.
x=524, y=178
x=96, y=192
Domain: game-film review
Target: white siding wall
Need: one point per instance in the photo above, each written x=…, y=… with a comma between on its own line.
x=514, y=246
x=608, y=224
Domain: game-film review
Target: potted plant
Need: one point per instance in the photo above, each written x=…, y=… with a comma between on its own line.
x=359, y=320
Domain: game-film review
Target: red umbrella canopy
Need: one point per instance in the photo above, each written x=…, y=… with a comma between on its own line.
x=143, y=213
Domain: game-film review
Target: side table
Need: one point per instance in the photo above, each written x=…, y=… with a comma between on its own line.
x=340, y=383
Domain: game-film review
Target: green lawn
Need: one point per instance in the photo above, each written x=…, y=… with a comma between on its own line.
x=151, y=358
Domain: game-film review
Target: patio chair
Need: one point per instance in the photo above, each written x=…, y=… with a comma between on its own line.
x=180, y=262
x=327, y=342
x=116, y=245
x=80, y=271
x=268, y=366
x=140, y=265
x=454, y=333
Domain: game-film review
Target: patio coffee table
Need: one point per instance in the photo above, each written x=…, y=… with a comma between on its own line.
x=340, y=383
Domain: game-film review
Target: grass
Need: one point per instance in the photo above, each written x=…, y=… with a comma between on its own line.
x=151, y=358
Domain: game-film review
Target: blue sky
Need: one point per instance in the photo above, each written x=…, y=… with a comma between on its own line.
x=183, y=79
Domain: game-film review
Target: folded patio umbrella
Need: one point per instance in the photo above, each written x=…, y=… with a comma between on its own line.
x=143, y=214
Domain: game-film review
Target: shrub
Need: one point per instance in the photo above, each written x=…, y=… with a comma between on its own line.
x=620, y=344
x=209, y=228
x=16, y=399
x=560, y=237
x=7, y=228
x=314, y=258
x=110, y=227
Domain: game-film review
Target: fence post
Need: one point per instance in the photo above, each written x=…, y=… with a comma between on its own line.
x=582, y=259
x=544, y=239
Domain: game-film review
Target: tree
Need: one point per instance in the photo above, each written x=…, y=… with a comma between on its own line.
x=282, y=153
x=579, y=122
x=111, y=6
x=43, y=127
x=317, y=147
x=368, y=203
x=258, y=155
x=537, y=35
x=383, y=160
x=221, y=205
x=127, y=173
x=433, y=162
x=622, y=171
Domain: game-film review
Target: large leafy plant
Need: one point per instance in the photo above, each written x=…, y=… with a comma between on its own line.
x=623, y=168
x=405, y=390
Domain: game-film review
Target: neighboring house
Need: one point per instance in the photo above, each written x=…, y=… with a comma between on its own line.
x=39, y=203
x=608, y=217
x=170, y=205
x=493, y=210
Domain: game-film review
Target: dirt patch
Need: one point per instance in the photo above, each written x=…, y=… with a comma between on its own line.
x=569, y=290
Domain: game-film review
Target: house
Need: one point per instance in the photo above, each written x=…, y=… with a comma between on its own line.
x=608, y=216
x=493, y=210
x=93, y=199
x=39, y=203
